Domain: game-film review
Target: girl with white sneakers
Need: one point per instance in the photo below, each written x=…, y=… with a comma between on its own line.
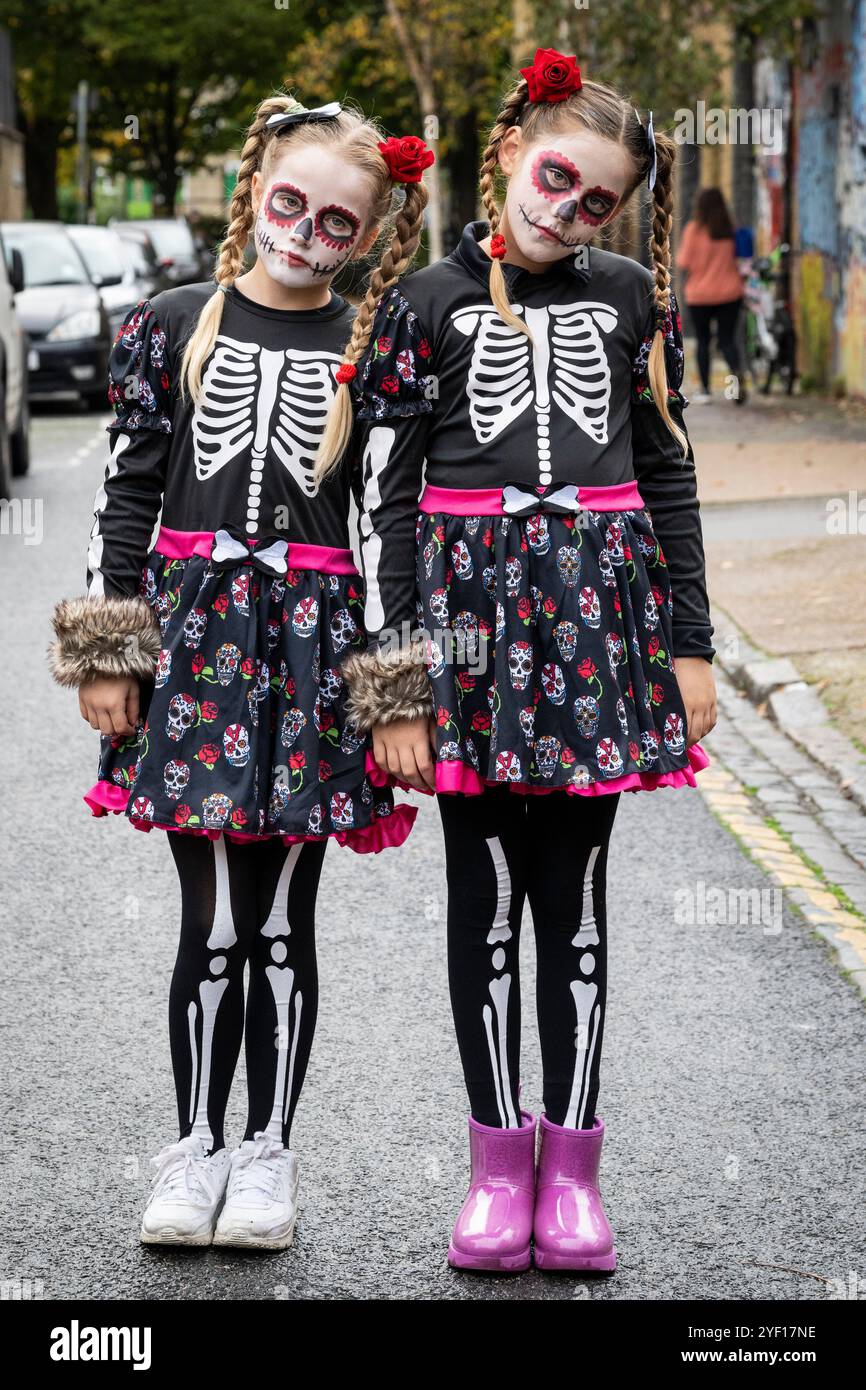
x=209, y=656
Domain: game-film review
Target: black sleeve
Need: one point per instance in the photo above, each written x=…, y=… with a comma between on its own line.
x=128, y=501
x=393, y=406
x=668, y=485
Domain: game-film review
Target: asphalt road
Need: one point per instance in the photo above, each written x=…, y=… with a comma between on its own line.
x=732, y=1078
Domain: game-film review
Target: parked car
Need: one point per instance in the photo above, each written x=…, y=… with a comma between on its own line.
x=108, y=260
x=14, y=412
x=173, y=242
x=62, y=313
x=142, y=262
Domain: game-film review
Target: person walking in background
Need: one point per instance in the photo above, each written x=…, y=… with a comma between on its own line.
x=714, y=288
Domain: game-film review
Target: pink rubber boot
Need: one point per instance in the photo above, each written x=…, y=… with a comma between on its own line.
x=570, y=1227
x=494, y=1225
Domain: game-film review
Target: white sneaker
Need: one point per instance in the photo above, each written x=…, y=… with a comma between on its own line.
x=701, y=398
x=261, y=1197
x=187, y=1191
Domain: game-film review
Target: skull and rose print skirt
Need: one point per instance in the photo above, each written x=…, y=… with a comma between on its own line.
x=242, y=731
x=548, y=642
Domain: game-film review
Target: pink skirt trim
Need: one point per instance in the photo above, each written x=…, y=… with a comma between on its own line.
x=327, y=559
x=457, y=777
x=487, y=501
x=386, y=833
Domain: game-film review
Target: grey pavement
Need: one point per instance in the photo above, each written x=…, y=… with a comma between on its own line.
x=732, y=1076
x=786, y=518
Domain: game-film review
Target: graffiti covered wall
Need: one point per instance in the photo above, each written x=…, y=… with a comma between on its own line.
x=830, y=201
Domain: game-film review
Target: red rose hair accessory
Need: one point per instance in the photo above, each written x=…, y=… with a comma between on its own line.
x=497, y=246
x=406, y=157
x=553, y=76
x=346, y=372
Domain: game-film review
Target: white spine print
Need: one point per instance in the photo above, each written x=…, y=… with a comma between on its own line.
x=507, y=373
x=380, y=442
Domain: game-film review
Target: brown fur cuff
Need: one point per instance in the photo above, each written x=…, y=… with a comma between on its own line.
x=106, y=636
x=386, y=686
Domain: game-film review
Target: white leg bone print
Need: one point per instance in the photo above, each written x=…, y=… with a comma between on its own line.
x=499, y=987
x=584, y=993
x=223, y=934
x=277, y=923
x=587, y=935
x=281, y=980
x=262, y=398
x=210, y=992
x=566, y=360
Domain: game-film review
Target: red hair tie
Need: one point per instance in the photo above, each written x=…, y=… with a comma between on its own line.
x=497, y=246
x=347, y=372
x=406, y=157
x=553, y=76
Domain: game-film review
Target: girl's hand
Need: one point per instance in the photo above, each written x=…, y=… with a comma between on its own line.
x=406, y=749
x=698, y=689
x=110, y=704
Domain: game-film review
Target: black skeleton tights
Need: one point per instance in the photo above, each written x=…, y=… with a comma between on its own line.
x=243, y=902
x=500, y=848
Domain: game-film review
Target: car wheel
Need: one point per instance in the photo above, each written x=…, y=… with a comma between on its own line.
x=5, y=453
x=20, y=443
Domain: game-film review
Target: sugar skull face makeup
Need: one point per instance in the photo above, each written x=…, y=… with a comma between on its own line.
x=312, y=210
x=561, y=188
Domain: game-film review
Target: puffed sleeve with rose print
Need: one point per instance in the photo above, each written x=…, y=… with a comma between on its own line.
x=112, y=631
x=668, y=485
x=392, y=409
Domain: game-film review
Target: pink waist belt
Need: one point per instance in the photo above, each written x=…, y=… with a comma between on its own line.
x=487, y=501
x=180, y=545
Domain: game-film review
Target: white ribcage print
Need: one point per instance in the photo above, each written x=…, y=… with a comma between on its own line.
x=566, y=361
x=581, y=374
x=262, y=399
x=499, y=385
x=306, y=391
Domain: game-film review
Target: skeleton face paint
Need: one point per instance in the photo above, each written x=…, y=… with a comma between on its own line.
x=312, y=212
x=562, y=190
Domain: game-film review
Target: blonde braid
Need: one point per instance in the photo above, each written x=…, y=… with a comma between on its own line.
x=231, y=256
x=512, y=107
x=660, y=254
x=397, y=256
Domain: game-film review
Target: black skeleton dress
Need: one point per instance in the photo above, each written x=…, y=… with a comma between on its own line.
x=249, y=575
x=557, y=545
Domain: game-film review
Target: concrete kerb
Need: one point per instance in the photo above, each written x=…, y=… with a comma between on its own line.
x=792, y=704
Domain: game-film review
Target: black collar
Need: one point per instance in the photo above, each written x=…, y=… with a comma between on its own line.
x=476, y=262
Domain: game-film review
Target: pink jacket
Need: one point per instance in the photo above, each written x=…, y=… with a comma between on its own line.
x=713, y=275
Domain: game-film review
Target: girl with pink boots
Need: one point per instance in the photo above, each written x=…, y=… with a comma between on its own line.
x=539, y=634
